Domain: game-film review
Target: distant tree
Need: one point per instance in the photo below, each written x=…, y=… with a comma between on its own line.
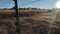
x=49, y=10
x=34, y=8
x=21, y=8
x=28, y=8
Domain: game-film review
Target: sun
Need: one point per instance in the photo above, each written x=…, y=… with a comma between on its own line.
x=58, y=4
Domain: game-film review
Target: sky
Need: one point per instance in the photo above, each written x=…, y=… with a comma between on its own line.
x=46, y=4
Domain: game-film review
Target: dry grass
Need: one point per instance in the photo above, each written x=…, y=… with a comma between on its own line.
x=30, y=24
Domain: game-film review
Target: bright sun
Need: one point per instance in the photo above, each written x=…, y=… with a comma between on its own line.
x=58, y=4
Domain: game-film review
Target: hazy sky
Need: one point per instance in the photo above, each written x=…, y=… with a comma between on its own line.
x=29, y=3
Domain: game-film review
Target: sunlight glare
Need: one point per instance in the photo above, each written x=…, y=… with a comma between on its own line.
x=58, y=4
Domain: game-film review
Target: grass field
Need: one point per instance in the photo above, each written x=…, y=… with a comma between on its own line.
x=31, y=21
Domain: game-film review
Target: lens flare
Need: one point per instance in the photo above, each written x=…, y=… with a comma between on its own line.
x=58, y=4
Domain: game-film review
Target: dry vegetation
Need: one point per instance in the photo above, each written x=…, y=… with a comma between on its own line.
x=31, y=21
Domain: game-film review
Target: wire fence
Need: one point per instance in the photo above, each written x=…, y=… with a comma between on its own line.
x=30, y=21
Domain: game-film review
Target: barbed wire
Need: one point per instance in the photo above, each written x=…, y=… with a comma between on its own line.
x=7, y=2
x=30, y=3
